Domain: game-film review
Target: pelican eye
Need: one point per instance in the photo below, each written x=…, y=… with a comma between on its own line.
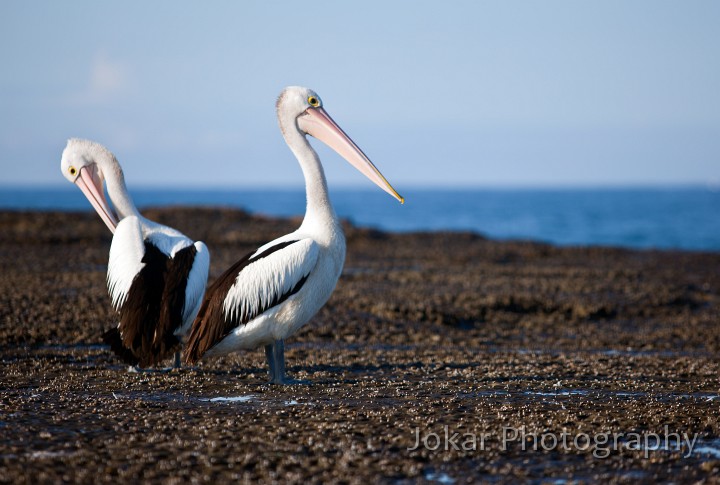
x=314, y=102
x=73, y=171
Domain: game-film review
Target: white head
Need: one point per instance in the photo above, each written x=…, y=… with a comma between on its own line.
x=302, y=109
x=85, y=163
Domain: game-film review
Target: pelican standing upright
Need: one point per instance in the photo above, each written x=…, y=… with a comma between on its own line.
x=270, y=293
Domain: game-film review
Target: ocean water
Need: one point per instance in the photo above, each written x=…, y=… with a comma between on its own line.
x=666, y=218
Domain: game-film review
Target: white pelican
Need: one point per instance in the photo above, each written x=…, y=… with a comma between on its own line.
x=156, y=276
x=270, y=293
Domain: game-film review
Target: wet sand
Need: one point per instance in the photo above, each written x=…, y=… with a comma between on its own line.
x=470, y=344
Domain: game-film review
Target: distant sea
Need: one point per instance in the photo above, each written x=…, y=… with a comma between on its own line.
x=667, y=218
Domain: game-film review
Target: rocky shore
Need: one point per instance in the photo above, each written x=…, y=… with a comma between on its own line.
x=440, y=358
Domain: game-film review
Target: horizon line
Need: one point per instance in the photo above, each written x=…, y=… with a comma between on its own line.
x=711, y=186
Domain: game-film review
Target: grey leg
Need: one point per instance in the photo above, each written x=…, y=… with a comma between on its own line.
x=177, y=364
x=275, y=354
x=279, y=361
x=270, y=361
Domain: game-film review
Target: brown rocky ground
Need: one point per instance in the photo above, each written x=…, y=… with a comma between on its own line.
x=587, y=349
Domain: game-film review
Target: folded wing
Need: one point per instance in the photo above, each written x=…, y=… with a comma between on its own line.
x=255, y=284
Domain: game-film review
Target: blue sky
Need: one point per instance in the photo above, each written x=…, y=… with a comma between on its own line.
x=463, y=93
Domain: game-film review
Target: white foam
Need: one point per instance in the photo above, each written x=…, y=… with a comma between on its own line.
x=40, y=455
x=707, y=450
x=440, y=478
x=247, y=398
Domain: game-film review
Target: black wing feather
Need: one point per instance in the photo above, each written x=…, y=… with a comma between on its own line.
x=210, y=325
x=153, y=308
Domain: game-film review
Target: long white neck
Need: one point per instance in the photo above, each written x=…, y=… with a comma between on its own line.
x=115, y=182
x=319, y=211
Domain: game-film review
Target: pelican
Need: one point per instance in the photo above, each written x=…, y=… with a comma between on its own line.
x=270, y=293
x=156, y=276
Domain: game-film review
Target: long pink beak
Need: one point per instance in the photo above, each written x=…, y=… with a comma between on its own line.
x=91, y=186
x=316, y=122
